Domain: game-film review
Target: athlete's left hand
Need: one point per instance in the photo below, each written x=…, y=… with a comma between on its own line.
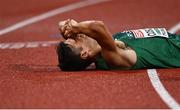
x=65, y=28
x=71, y=29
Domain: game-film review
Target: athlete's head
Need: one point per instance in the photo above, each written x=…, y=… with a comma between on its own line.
x=78, y=53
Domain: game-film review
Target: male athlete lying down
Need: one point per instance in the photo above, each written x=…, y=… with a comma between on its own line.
x=91, y=41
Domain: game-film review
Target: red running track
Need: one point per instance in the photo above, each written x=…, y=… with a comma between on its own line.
x=29, y=77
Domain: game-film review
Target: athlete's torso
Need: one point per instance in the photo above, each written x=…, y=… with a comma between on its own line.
x=154, y=47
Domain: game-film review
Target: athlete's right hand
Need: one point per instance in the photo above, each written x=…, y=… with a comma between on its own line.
x=62, y=26
x=67, y=28
x=71, y=29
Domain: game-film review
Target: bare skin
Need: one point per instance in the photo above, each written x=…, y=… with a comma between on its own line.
x=94, y=38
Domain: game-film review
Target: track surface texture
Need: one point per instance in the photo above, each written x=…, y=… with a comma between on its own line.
x=29, y=77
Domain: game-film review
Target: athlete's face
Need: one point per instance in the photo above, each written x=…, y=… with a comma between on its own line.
x=88, y=47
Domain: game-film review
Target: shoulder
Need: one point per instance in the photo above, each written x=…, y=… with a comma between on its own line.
x=121, y=58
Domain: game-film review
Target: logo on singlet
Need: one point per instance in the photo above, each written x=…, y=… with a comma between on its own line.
x=149, y=32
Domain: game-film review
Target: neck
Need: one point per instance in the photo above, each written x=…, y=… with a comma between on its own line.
x=95, y=50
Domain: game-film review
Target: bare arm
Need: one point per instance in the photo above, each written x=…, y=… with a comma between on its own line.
x=98, y=31
x=93, y=29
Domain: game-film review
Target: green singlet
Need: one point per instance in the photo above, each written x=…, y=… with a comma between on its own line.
x=154, y=47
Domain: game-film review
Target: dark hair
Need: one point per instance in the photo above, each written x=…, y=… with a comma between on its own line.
x=69, y=58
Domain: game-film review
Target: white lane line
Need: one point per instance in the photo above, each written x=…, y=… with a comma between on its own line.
x=50, y=14
x=163, y=93
x=151, y=72
x=158, y=86
x=35, y=44
x=175, y=28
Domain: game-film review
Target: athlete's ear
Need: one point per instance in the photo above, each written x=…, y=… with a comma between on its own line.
x=84, y=54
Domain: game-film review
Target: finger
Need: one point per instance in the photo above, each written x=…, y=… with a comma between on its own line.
x=64, y=28
x=73, y=25
x=60, y=30
x=63, y=24
x=70, y=23
x=67, y=33
x=67, y=21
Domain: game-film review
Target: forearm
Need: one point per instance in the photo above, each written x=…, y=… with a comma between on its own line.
x=98, y=31
x=94, y=29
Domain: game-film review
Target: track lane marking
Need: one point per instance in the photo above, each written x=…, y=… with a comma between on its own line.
x=50, y=14
x=175, y=28
x=19, y=45
x=160, y=89
x=158, y=86
x=151, y=72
